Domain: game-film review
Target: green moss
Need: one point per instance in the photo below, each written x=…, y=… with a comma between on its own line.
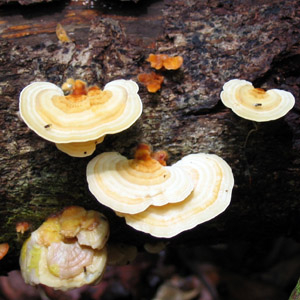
x=296, y=292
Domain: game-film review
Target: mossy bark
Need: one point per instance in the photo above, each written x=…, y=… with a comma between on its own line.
x=218, y=41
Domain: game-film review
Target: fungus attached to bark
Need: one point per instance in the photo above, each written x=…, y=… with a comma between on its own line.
x=21, y=227
x=85, y=115
x=159, y=61
x=152, y=81
x=212, y=194
x=256, y=104
x=67, y=251
x=4, y=247
x=62, y=34
x=130, y=186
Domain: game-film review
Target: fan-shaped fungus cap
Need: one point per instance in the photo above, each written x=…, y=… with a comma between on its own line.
x=256, y=104
x=130, y=186
x=159, y=61
x=84, y=115
x=152, y=81
x=67, y=251
x=212, y=193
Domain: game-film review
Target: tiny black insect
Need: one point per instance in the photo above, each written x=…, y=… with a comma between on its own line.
x=47, y=126
x=257, y=104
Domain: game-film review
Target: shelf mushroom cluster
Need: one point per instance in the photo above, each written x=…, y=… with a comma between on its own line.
x=67, y=251
x=80, y=120
x=161, y=200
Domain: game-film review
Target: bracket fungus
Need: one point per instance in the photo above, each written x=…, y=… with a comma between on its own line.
x=159, y=61
x=132, y=185
x=152, y=81
x=85, y=116
x=4, y=247
x=213, y=180
x=67, y=251
x=256, y=104
x=22, y=227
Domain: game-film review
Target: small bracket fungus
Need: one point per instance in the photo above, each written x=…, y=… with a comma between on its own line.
x=62, y=34
x=256, y=104
x=86, y=115
x=4, y=247
x=130, y=186
x=67, y=251
x=22, y=227
x=152, y=81
x=212, y=194
x=159, y=61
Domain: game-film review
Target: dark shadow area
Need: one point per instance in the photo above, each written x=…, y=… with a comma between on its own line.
x=235, y=271
x=123, y=8
x=34, y=10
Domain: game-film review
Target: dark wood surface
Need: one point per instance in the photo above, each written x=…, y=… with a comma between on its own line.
x=258, y=41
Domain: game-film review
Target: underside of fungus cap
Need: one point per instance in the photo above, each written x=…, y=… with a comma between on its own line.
x=131, y=185
x=212, y=194
x=67, y=251
x=80, y=149
x=256, y=104
x=84, y=115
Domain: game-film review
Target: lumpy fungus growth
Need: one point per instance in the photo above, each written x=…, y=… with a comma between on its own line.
x=152, y=81
x=78, y=121
x=256, y=104
x=67, y=251
x=159, y=61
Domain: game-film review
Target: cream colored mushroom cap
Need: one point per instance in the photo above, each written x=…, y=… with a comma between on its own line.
x=211, y=196
x=67, y=251
x=130, y=186
x=254, y=103
x=45, y=110
x=35, y=269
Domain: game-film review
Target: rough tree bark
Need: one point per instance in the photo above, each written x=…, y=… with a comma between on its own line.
x=219, y=40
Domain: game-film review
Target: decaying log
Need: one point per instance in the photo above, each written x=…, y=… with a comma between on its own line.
x=218, y=41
